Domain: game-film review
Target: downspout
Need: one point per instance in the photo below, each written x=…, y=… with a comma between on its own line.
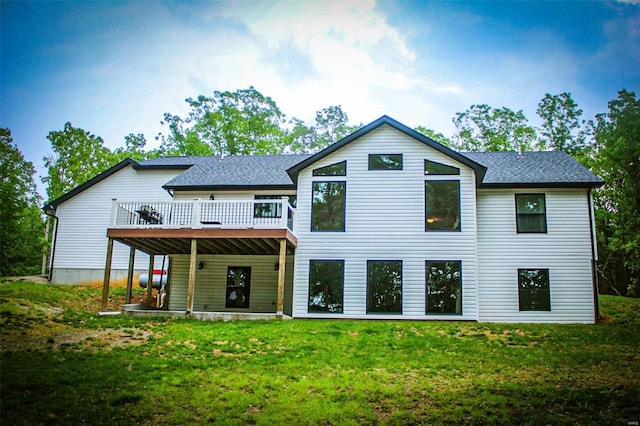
x=594, y=257
x=49, y=211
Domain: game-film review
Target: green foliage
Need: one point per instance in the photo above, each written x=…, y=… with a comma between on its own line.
x=21, y=226
x=77, y=157
x=562, y=124
x=228, y=123
x=617, y=161
x=483, y=128
x=117, y=370
x=330, y=125
x=438, y=137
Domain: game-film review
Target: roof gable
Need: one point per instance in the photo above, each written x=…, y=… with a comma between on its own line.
x=479, y=169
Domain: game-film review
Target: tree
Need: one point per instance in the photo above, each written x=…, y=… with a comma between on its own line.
x=133, y=148
x=228, y=123
x=21, y=233
x=617, y=161
x=483, y=128
x=562, y=126
x=77, y=157
x=331, y=124
x=438, y=137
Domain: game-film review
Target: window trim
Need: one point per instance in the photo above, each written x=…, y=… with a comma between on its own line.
x=459, y=228
x=317, y=172
x=344, y=210
x=426, y=287
x=265, y=200
x=311, y=261
x=544, y=200
x=456, y=173
x=369, y=261
x=386, y=168
x=548, y=290
x=247, y=292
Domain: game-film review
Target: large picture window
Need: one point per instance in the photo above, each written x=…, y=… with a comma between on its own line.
x=385, y=161
x=384, y=286
x=238, y=286
x=533, y=290
x=442, y=205
x=531, y=215
x=328, y=209
x=444, y=287
x=326, y=282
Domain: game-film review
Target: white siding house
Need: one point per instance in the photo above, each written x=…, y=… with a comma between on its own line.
x=384, y=224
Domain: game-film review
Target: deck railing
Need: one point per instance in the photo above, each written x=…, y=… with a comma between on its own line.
x=263, y=213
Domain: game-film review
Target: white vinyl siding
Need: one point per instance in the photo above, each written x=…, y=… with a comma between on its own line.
x=565, y=250
x=211, y=283
x=385, y=219
x=81, y=239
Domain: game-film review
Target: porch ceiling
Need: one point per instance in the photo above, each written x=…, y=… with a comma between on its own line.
x=210, y=240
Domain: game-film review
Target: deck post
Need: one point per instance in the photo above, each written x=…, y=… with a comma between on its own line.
x=192, y=274
x=107, y=275
x=132, y=257
x=281, y=270
x=152, y=259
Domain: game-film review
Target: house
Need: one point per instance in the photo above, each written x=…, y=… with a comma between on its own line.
x=384, y=224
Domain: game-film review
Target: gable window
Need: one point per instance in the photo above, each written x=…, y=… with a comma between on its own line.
x=238, y=286
x=326, y=282
x=442, y=205
x=444, y=287
x=328, y=208
x=433, y=168
x=384, y=286
x=533, y=290
x=531, y=216
x=337, y=169
x=385, y=161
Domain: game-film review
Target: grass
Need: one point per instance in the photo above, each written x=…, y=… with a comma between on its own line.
x=60, y=364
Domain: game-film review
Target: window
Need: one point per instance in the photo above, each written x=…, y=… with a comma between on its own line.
x=385, y=161
x=444, y=287
x=326, y=281
x=531, y=216
x=533, y=290
x=442, y=205
x=272, y=209
x=433, y=168
x=337, y=169
x=384, y=286
x=238, y=286
x=328, y=209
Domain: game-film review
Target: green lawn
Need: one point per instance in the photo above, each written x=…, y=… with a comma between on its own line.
x=60, y=364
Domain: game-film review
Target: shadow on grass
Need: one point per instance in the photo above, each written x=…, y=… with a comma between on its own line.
x=127, y=387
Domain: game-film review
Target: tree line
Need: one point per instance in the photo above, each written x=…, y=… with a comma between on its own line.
x=246, y=122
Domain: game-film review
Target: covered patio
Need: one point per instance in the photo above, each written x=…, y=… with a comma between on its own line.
x=207, y=240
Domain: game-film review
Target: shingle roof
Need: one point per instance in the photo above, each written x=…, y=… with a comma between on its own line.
x=181, y=162
x=533, y=168
x=267, y=171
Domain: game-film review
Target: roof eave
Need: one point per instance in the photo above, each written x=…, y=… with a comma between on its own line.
x=228, y=187
x=541, y=185
x=51, y=206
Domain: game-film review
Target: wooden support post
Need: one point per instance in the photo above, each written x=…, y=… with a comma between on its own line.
x=132, y=258
x=107, y=276
x=150, y=282
x=192, y=274
x=281, y=269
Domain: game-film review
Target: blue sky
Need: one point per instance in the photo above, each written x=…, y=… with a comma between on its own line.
x=114, y=67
